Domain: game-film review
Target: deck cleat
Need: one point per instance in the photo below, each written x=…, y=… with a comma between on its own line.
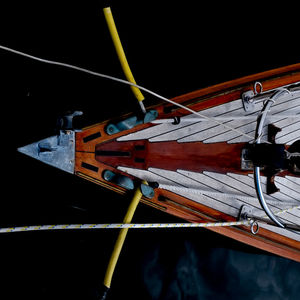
x=131, y=122
x=147, y=191
x=120, y=180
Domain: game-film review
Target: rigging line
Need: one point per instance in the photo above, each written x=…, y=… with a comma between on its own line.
x=84, y=70
x=123, y=226
x=279, y=212
x=287, y=210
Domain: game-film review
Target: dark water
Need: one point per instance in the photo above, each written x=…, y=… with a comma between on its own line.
x=172, y=49
x=220, y=273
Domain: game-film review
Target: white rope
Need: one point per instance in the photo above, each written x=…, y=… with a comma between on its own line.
x=277, y=213
x=287, y=210
x=121, y=225
x=124, y=82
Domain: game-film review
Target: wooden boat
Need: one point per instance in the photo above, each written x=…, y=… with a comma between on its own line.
x=197, y=163
x=206, y=51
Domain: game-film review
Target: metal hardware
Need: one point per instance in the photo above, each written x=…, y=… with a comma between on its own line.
x=257, y=83
x=246, y=163
x=266, y=220
x=66, y=122
x=251, y=97
x=248, y=97
x=120, y=180
x=150, y=116
x=262, y=200
x=46, y=147
x=121, y=126
x=131, y=122
x=127, y=183
x=254, y=227
x=147, y=191
x=248, y=102
x=245, y=212
x=177, y=120
x=57, y=151
x=257, y=182
x=244, y=215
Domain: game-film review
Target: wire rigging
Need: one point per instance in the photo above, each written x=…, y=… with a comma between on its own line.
x=84, y=70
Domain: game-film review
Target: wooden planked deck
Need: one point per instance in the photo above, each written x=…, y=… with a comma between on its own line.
x=209, y=195
x=285, y=113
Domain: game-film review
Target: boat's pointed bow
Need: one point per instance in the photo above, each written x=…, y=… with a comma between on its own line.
x=57, y=151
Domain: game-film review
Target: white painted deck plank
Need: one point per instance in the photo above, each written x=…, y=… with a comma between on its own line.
x=207, y=201
x=191, y=185
x=148, y=132
x=293, y=185
x=184, y=132
x=291, y=127
x=287, y=103
x=278, y=196
x=230, y=183
x=288, y=138
x=229, y=109
x=271, y=198
x=210, y=132
x=237, y=184
x=221, y=133
x=295, y=195
x=281, y=123
x=164, y=128
x=272, y=118
x=230, y=134
x=294, y=179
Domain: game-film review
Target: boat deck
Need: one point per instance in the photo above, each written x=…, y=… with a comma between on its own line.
x=211, y=195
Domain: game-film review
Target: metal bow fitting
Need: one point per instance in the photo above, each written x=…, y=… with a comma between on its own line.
x=257, y=182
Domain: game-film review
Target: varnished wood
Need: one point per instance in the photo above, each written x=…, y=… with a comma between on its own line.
x=196, y=156
x=173, y=203
x=201, y=99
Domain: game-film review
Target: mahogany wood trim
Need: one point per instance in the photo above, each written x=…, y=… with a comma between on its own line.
x=188, y=209
x=198, y=100
x=170, y=155
x=178, y=205
x=243, y=82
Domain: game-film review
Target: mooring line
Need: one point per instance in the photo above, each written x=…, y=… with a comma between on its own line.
x=122, y=225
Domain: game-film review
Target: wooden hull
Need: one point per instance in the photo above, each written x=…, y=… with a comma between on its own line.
x=190, y=158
